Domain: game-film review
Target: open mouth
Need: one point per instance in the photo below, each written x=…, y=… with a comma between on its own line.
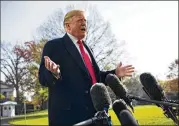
x=83, y=29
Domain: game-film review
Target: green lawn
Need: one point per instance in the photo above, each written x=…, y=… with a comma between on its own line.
x=146, y=115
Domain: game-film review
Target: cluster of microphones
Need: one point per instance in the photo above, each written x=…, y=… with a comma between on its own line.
x=102, y=101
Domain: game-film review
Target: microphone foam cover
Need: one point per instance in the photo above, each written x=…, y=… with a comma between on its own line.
x=127, y=119
x=151, y=85
x=114, y=83
x=123, y=113
x=100, y=96
x=119, y=105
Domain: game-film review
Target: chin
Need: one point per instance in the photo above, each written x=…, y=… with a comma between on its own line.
x=82, y=36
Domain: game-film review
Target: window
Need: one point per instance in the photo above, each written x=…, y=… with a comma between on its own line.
x=5, y=94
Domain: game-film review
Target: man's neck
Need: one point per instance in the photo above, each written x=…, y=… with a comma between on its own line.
x=74, y=38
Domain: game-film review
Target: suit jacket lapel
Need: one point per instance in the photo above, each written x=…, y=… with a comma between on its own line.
x=74, y=53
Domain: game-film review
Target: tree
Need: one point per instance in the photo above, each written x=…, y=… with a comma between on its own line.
x=99, y=36
x=2, y=96
x=13, y=67
x=173, y=70
x=170, y=85
x=41, y=97
x=134, y=87
x=31, y=53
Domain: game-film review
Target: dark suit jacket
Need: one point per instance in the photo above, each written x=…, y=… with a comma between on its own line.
x=69, y=96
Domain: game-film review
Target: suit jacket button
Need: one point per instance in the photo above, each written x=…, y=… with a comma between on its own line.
x=86, y=108
x=86, y=91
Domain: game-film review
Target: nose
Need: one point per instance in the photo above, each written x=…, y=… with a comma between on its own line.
x=83, y=21
x=83, y=24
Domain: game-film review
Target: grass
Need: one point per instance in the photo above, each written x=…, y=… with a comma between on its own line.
x=146, y=115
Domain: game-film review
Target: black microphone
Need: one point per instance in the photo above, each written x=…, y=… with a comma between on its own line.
x=151, y=87
x=124, y=115
x=100, y=97
x=101, y=102
x=155, y=92
x=114, y=83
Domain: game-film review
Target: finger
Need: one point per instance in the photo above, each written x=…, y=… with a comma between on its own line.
x=130, y=71
x=58, y=66
x=127, y=66
x=48, y=64
x=46, y=57
x=45, y=63
x=128, y=74
x=58, y=69
x=52, y=64
x=130, y=68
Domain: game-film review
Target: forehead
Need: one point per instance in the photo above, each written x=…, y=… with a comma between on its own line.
x=80, y=16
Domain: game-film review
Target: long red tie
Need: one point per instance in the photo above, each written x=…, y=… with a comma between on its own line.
x=87, y=62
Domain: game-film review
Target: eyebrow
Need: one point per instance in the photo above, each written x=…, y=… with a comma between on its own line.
x=81, y=19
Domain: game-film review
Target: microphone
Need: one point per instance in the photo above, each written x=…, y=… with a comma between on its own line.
x=114, y=83
x=100, y=97
x=101, y=102
x=124, y=115
x=151, y=87
x=155, y=92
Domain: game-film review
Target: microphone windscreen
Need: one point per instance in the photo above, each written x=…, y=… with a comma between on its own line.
x=100, y=96
x=151, y=86
x=124, y=115
x=119, y=105
x=114, y=83
x=127, y=119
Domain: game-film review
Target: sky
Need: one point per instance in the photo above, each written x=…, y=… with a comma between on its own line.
x=149, y=28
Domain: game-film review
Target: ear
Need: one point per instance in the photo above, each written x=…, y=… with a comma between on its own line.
x=67, y=26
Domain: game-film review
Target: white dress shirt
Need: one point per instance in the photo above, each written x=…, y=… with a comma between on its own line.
x=75, y=40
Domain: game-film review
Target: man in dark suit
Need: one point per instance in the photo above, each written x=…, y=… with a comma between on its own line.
x=69, y=69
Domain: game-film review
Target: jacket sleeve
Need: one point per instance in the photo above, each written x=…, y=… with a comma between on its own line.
x=103, y=75
x=46, y=78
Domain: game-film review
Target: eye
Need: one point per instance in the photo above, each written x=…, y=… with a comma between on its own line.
x=81, y=20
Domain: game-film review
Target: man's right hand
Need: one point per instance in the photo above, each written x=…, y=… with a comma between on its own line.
x=51, y=66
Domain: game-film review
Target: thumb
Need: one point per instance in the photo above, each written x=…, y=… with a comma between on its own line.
x=58, y=66
x=57, y=69
x=120, y=64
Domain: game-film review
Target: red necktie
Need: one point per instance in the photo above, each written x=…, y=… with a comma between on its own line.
x=87, y=61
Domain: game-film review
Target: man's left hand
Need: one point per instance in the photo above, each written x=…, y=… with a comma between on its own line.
x=122, y=71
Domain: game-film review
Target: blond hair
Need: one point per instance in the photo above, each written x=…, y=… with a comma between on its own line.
x=70, y=14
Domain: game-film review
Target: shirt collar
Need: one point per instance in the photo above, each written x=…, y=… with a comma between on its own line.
x=74, y=39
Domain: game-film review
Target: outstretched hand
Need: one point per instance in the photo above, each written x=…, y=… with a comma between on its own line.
x=122, y=71
x=51, y=66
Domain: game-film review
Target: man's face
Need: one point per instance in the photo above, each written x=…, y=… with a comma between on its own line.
x=77, y=26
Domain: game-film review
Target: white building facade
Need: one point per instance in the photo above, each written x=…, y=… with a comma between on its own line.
x=6, y=90
x=7, y=107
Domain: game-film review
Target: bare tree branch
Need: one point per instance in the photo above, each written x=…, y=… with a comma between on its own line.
x=14, y=68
